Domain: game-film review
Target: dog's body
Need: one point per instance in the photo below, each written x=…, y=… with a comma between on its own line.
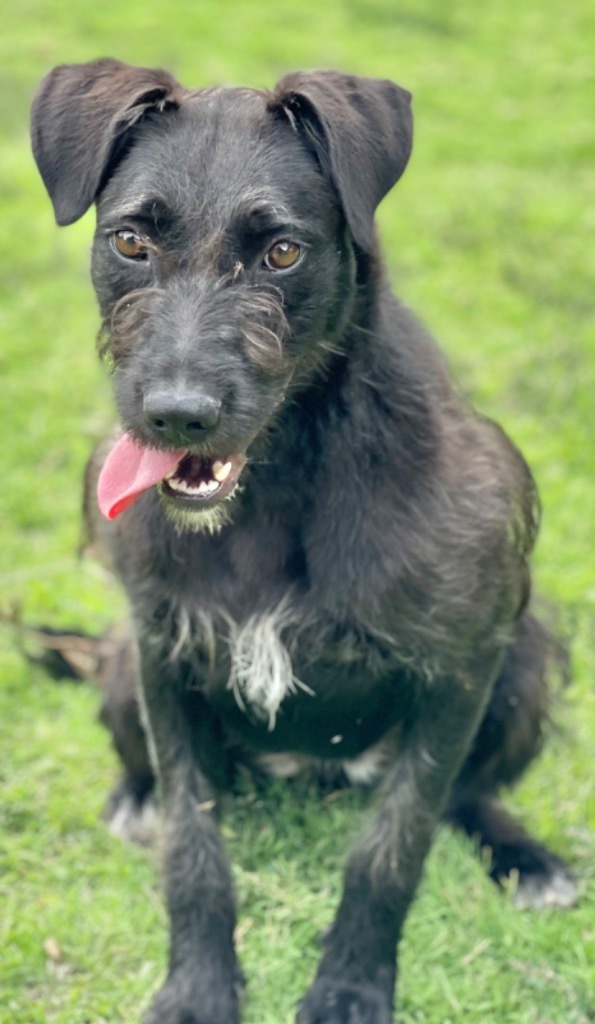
x=335, y=569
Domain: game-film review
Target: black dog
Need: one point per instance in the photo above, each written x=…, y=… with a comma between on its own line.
x=327, y=560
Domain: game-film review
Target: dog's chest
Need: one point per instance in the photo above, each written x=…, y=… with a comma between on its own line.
x=329, y=713
x=282, y=684
x=281, y=671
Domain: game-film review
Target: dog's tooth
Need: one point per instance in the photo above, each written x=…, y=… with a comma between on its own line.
x=204, y=488
x=178, y=485
x=221, y=471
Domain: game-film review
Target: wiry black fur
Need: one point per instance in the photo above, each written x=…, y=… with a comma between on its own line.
x=366, y=591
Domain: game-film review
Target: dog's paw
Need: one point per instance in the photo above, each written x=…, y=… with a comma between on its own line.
x=546, y=889
x=132, y=820
x=331, y=1001
x=179, y=1003
x=538, y=879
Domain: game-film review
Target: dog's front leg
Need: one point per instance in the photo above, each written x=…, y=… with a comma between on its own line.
x=203, y=976
x=356, y=978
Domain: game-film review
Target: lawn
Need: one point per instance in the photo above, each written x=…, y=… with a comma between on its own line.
x=489, y=238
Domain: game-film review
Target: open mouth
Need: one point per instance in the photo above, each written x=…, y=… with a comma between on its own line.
x=200, y=481
x=191, y=482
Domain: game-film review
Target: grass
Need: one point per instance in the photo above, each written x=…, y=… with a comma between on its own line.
x=488, y=237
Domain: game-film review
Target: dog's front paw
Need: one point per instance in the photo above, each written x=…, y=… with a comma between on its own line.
x=331, y=1001
x=179, y=1002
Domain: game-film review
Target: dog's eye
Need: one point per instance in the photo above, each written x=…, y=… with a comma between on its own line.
x=282, y=256
x=129, y=245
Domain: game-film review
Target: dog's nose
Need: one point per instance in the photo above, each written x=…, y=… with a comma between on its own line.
x=181, y=418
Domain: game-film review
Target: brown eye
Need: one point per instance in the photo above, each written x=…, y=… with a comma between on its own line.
x=282, y=256
x=129, y=245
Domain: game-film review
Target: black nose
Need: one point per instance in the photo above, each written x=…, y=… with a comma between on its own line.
x=181, y=418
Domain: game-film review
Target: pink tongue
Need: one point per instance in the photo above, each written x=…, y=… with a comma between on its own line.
x=129, y=470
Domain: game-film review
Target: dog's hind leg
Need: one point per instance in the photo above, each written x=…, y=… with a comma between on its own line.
x=510, y=737
x=110, y=662
x=542, y=879
x=131, y=811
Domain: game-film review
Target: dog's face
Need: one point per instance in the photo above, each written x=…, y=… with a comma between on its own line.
x=228, y=226
x=221, y=283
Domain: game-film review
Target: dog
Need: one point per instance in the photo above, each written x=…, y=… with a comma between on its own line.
x=325, y=549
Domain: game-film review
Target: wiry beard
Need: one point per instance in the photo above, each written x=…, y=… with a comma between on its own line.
x=202, y=520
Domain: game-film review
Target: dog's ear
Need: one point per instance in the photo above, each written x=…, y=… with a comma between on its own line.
x=361, y=130
x=80, y=114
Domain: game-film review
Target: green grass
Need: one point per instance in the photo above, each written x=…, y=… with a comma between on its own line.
x=489, y=237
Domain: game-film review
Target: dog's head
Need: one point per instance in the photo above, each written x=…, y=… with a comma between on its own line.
x=230, y=223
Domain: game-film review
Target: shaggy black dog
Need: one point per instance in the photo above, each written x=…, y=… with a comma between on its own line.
x=325, y=549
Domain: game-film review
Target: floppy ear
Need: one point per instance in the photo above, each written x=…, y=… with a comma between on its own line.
x=79, y=115
x=361, y=130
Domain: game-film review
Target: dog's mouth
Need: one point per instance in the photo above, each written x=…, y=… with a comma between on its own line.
x=191, y=482
x=201, y=481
